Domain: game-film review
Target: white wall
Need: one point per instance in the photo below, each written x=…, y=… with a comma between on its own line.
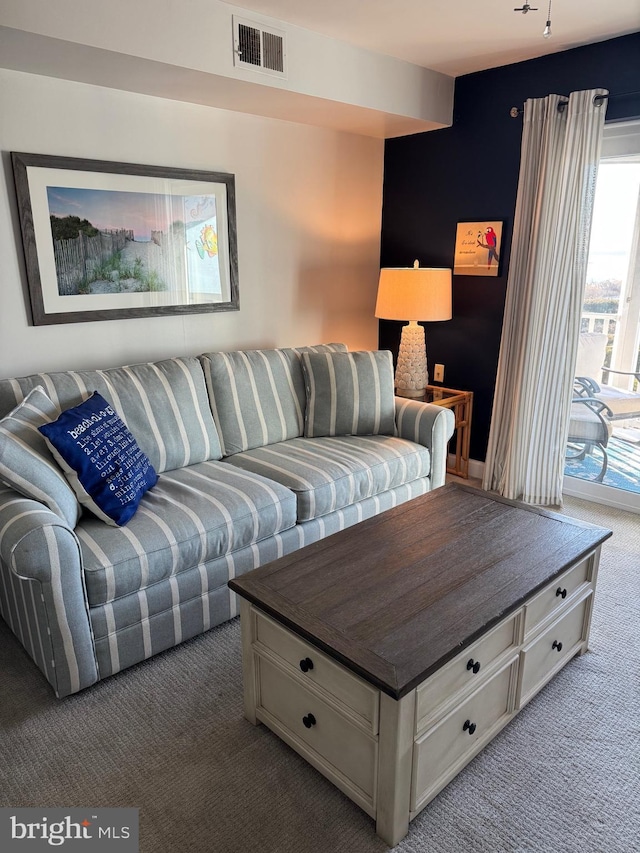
x=308, y=211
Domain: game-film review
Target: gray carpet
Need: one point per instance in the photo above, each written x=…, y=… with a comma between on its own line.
x=168, y=737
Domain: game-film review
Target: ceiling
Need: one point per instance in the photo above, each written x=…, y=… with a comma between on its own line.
x=457, y=36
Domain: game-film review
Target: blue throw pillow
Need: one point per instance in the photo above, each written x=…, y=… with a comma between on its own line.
x=101, y=459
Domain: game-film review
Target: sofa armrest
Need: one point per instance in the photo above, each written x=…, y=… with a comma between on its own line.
x=429, y=425
x=42, y=592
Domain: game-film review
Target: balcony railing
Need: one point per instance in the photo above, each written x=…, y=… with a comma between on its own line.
x=600, y=323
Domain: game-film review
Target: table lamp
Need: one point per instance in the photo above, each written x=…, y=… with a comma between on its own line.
x=413, y=293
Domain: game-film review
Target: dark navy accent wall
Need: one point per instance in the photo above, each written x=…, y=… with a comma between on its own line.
x=470, y=172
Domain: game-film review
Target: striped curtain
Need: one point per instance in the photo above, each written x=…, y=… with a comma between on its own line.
x=558, y=169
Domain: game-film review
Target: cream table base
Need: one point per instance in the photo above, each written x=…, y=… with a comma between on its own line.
x=392, y=756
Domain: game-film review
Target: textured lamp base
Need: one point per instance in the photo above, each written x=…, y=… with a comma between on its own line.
x=412, y=376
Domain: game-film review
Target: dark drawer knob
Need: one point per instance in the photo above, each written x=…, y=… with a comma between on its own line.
x=561, y=592
x=556, y=645
x=474, y=665
x=469, y=727
x=306, y=664
x=309, y=721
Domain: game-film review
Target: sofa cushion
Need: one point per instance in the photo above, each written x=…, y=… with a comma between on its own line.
x=163, y=403
x=258, y=396
x=101, y=459
x=192, y=515
x=329, y=473
x=349, y=393
x=26, y=463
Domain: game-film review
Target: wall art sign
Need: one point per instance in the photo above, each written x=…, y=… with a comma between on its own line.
x=477, y=249
x=107, y=241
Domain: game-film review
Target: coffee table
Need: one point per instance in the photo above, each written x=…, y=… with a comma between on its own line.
x=391, y=653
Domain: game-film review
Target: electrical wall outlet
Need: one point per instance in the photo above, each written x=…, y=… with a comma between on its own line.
x=438, y=373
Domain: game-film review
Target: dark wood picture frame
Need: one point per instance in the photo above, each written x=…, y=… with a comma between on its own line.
x=184, y=250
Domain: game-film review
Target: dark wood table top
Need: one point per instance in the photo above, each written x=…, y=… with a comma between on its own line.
x=395, y=597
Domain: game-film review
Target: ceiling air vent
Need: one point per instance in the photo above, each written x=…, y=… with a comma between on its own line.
x=258, y=47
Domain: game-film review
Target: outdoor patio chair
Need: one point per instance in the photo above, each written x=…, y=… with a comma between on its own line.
x=621, y=404
x=589, y=427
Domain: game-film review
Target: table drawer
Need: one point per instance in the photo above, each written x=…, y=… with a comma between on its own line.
x=553, y=596
x=465, y=670
x=337, y=743
x=553, y=648
x=311, y=664
x=448, y=745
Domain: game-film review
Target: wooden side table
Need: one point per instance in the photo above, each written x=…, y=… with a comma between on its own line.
x=462, y=404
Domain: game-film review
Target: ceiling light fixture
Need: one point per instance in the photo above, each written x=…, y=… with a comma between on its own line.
x=547, y=30
x=525, y=8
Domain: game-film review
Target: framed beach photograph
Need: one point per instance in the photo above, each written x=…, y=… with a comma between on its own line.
x=477, y=249
x=106, y=241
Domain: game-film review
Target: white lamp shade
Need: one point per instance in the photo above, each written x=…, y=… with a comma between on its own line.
x=414, y=293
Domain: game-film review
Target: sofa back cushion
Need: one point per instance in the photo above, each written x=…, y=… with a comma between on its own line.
x=349, y=393
x=164, y=404
x=258, y=396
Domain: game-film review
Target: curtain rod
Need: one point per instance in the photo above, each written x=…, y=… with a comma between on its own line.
x=514, y=112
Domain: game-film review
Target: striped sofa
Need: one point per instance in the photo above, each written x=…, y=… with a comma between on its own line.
x=239, y=486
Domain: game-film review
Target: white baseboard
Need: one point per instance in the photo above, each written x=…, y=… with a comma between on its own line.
x=590, y=491
x=573, y=487
x=476, y=468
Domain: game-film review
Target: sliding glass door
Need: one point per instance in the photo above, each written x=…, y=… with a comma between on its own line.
x=608, y=470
